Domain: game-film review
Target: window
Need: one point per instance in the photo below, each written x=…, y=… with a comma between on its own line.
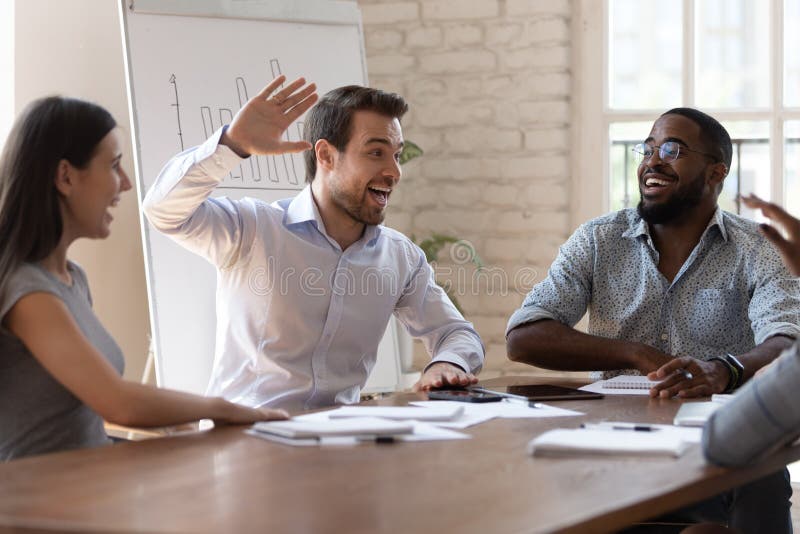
x=729, y=58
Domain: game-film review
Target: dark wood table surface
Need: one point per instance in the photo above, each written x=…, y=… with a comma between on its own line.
x=225, y=481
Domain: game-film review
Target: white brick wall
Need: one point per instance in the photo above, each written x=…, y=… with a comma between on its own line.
x=489, y=84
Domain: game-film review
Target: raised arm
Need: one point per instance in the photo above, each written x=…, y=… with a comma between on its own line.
x=75, y=363
x=178, y=204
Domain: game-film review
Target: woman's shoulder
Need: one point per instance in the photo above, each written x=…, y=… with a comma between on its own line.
x=25, y=279
x=27, y=275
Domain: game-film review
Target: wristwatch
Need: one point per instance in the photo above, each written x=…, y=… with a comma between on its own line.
x=735, y=370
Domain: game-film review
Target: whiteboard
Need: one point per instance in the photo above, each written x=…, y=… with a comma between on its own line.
x=191, y=64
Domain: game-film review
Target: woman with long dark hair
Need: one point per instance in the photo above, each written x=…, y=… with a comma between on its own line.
x=60, y=370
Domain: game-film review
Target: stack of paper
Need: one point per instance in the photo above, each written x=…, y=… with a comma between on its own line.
x=316, y=432
x=563, y=442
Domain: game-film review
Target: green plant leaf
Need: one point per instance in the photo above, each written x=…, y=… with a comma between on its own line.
x=410, y=151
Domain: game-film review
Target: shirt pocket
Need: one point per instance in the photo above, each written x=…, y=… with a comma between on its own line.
x=718, y=317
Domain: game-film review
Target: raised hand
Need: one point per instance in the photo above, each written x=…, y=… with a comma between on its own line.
x=259, y=126
x=788, y=246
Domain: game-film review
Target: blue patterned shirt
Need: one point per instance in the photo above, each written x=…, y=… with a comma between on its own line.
x=732, y=293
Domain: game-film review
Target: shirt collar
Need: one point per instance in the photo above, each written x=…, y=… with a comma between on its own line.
x=303, y=209
x=641, y=228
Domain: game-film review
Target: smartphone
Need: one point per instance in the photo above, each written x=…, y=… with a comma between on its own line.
x=463, y=395
x=539, y=392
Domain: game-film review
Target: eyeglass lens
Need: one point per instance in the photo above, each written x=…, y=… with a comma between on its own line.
x=667, y=152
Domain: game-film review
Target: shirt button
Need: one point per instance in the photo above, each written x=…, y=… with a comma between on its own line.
x=218, y=160
x=664, y=337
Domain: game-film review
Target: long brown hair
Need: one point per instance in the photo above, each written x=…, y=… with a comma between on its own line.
x=49, y=130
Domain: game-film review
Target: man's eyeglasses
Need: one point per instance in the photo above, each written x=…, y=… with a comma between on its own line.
x=667, y=152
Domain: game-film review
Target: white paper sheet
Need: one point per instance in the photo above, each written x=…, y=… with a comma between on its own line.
x=688, y=434
x=438, y=412
x=504, y=409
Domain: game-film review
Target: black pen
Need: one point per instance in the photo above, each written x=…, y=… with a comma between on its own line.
x=620, y=426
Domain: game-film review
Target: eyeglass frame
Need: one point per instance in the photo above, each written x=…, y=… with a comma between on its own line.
x=660, y=148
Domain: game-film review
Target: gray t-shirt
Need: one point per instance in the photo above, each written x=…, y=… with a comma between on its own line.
x=37, y=414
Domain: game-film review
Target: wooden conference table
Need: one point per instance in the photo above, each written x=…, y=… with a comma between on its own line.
x=226, y=481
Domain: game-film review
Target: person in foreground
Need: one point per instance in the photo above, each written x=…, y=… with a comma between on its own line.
x=60, y=370
x=764, y=415
x=676, y=289
x=306, y=286
x=674, y=285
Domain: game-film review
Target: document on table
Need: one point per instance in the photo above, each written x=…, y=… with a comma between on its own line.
x=622, y=385
x=319, y=429
x=688, y=434
x=421, y=430
x=608, y=442
x=437, y=412
x=475, y=413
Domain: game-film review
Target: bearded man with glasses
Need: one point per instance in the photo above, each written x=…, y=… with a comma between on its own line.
x=676, y=289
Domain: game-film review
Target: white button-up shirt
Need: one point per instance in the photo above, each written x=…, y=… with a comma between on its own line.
x=299, y=319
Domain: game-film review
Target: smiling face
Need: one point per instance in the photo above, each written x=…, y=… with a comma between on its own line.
x=89, y=193
x=365, y=173
x=671, y=191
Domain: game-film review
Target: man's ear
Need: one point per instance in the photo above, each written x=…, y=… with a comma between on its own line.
x=718, y=173
x=65, y=177
x=326, y=154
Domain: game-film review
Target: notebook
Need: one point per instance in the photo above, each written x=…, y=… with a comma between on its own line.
x=319, y=428
x=591, y=442
x=622, y=385
x=695, y=413
x=629, y=382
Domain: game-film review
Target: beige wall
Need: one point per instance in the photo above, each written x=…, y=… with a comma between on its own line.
x=74, y=49
x=489, y=83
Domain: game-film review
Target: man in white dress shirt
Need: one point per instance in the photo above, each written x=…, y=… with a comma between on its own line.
x=306, y=286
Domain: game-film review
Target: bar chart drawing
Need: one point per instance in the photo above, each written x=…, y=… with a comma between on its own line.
x=279, y=171
x=177, y=105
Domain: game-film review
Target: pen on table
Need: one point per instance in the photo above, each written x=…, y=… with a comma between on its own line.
x=523, y=401
x=621, y=426
x=377, y=439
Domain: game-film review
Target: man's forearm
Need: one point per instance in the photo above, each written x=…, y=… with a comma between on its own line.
x=552, y=345
x=763, y=354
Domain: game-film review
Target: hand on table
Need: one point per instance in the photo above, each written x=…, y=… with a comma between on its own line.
x=689, y=377
x=442, y=374
x=236, y=414
x=789, y=247
x=259, y=126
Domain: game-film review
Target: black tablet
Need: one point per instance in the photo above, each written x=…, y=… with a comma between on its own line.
x=539, y=392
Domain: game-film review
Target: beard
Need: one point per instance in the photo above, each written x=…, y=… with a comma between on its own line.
x=678, y=205
x=355, y=207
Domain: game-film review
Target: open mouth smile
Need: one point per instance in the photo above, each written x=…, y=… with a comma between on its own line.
x=380, y=195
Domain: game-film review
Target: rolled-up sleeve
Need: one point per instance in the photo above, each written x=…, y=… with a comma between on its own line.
x=762, y=416
x=775, y=305
x=428, y=314
x=566, y=292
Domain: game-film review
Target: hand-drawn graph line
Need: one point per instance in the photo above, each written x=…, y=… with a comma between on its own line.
x=257, y=172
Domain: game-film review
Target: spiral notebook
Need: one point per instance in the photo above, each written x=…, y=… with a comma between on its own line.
x=622, y=385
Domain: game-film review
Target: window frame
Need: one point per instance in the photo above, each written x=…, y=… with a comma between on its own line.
x=594, y=116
